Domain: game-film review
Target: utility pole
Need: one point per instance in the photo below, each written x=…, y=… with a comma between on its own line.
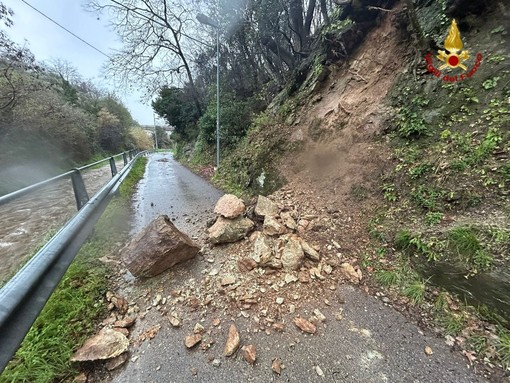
x=155, y=132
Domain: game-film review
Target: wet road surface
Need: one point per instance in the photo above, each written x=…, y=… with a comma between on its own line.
x=169, y=188
x=371, y=343
x=27, y=222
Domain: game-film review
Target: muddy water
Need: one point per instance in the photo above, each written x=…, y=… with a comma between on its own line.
x=26, y=222
x=489, y=289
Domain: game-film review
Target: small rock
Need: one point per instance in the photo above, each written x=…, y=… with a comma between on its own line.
x=126, y=322
x=305, y=325
x=250, y=353
x=216, y=322
x=233, y=341
x=122, y=330
x=80, y=378
x=289, y=221
x=349, y=272
x=194, y=371
x=319, y=371
x=428, y=350
x=276, y=366
x=174, y=321
x=213, y=272
x=116, y=362
x=327, y=269
x=229, y=280
x=246, y=264
x=310, y=252
x=289, y=278
x=279, y=326
x=292, y=309
x=320, y=316
x=192, y=340
x=216, y=362
x=272, y=226
x=156, y=300
x=279, y=300
x=198, y=329
x=304, y=277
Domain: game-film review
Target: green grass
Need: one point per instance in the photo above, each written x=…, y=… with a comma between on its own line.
x=503, y=347
x=415, y=291
x=71, y=314
x=387, y=278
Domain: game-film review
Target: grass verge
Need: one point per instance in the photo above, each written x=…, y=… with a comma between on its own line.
x=71, y=314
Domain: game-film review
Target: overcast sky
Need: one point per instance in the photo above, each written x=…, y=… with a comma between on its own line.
x=46, y=40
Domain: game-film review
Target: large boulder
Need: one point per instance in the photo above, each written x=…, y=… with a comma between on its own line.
x=265, y=207
x=229, y=206
x=157, y=248
x=229, y=230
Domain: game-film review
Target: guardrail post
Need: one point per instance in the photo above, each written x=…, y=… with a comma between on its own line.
x=130, y=155
x=80, y=192
x=113, y=167
x=125, y=157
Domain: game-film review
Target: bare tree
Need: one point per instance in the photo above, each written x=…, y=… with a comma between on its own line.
x=154, y=40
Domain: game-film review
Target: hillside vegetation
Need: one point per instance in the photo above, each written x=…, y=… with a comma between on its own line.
x=51, y=119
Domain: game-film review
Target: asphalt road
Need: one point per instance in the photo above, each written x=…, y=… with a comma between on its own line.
x=371, y=343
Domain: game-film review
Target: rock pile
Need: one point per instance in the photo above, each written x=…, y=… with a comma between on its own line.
x=278, y=245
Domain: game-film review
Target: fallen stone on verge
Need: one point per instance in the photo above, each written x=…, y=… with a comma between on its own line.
x=105, y=345
x=229, y=206
x=246, y=264
x=292, y=255
x=319, y=371
x=192, y=340
x=157, y=248
x=310, y=252
x=305, y=325
x=216, y=362
x=116, y=362
x=229, y=230
x=233, y=340
x=276, y=366
x=272, y=227
x=428, y=350
x=125, y=323
x=265, y=207
x=350, y=273
x=250, y=353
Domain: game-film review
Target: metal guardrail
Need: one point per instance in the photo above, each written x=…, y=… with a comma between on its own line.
x=80, y=192
x=24, y=296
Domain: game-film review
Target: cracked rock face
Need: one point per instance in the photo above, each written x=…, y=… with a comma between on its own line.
x=157, y=248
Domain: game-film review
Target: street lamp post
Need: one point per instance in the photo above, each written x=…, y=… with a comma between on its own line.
x=208, y=21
